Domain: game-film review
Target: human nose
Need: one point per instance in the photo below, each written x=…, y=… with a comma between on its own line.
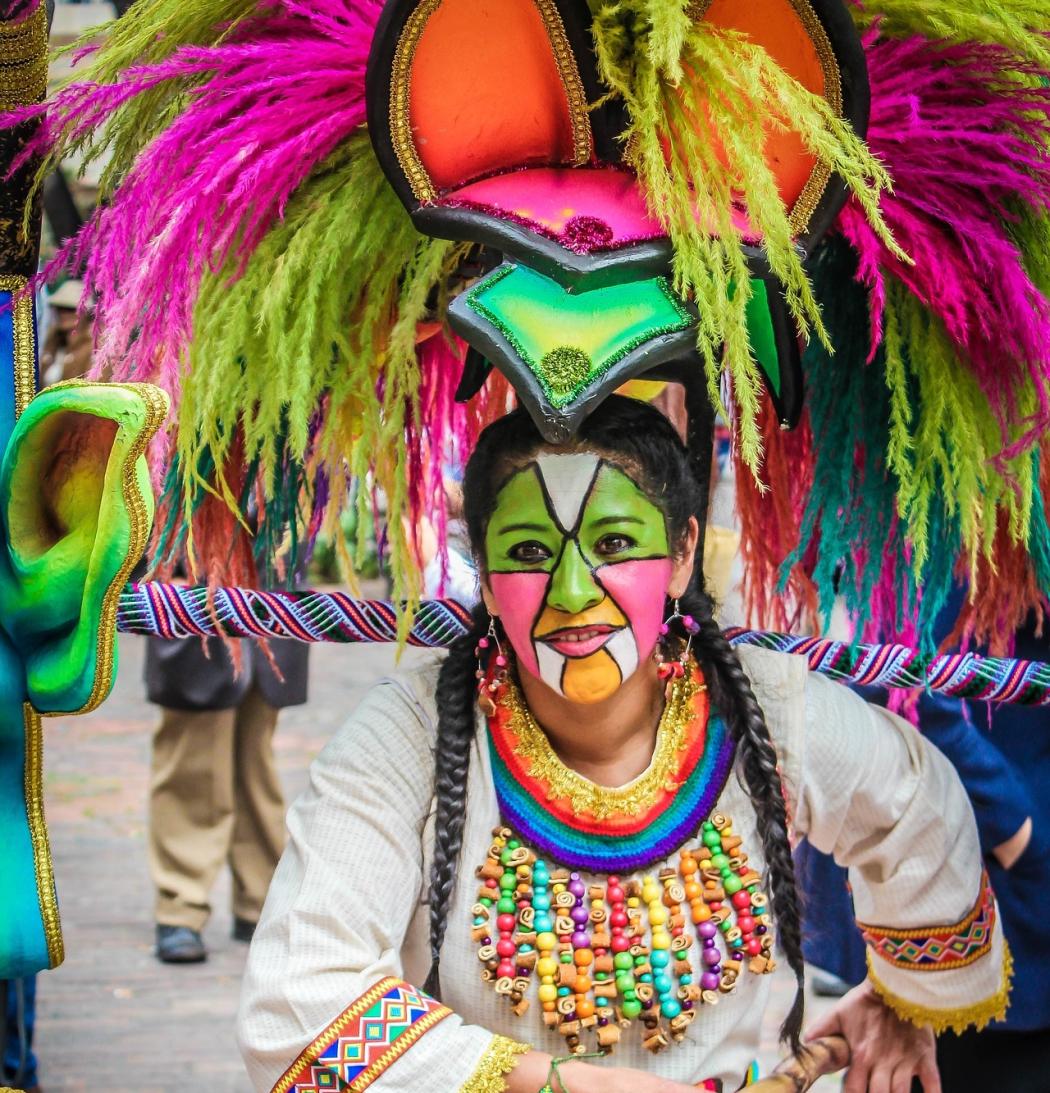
x=573, y=587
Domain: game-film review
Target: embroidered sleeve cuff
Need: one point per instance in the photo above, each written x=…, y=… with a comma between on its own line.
x=966, y=968
x=367, y=1038
x=938, y=948
x=499, y=1060
x=939, y=1013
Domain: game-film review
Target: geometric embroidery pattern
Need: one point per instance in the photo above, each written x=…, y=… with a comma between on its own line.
x=364, y=1040
x=938, y=948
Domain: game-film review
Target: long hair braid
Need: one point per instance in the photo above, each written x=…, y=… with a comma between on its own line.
x=734, y=697
x=456, y=692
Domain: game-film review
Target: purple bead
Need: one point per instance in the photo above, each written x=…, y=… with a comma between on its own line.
x=707, y=929
x=602, y=1022
x=647, y=1005
x=486, y=941
x=580, y=940
x=687, y=1005
x=577, y=888
x=760, y=929
x=711, y=957
x=579, y=915
x=709, y=943
x=709, y=981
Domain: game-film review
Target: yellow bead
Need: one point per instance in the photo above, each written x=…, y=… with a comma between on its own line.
x=657, y=915
x=661, y=939
x=546, y=942
x=547, y=992
x=633, y=901
x=546, y=967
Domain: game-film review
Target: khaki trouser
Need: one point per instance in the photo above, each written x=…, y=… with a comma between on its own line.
x=214, y=798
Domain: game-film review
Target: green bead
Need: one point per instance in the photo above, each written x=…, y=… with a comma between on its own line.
x=631, y=1008
x=506, y=906
x=485, y=901
x=732, y=885
x=708, y=826
x=513, y=844
x=712, y=839
x=565, y=958
x=726, y=926
x=623, y=960
x=504, y=857
x=624, y=983
x=641, y=958
x=720, y=861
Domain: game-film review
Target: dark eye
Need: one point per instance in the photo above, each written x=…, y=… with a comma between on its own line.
x=611, y=545
x=530, y=553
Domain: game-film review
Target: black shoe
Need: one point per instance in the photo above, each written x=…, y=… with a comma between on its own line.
x=243, y=929
x=179, y=945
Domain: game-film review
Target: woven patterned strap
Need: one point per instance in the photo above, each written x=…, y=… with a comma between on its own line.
x=173, y=611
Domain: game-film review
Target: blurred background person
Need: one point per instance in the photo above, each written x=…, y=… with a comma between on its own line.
x=215, y=797
x=1002, y=755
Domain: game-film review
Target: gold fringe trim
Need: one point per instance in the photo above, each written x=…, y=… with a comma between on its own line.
x=499, y=1060
x=958, y=1020
x=586, y=797
x=45, y=874
x=25, y=339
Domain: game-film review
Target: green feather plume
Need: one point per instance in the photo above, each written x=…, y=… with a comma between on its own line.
x=1008, y=23
x=330, y=301
x=644, y=48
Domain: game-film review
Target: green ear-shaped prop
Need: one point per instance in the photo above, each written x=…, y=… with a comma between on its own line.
x=75, y=512
x=76, y=506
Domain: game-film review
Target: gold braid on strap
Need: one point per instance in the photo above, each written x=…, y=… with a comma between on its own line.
x=499, y=1060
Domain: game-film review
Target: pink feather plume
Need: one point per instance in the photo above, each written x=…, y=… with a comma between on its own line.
x=966, y=144
x=272, y=102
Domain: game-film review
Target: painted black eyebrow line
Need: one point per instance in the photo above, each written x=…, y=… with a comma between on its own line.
x=618, y=520
x=521, y=527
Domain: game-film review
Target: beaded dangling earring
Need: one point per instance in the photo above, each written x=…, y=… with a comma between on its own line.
x=490, y=685
x=676, y=669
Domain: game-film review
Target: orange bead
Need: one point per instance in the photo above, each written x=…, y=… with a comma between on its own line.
x=583, y=957
x=692, y=891
x=584, y=1008
x=550, y=1007
x=582, y=984
x=689, y=866
x=701, y=912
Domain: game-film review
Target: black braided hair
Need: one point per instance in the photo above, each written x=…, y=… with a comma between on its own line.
x=642, y=440
x=456, y=695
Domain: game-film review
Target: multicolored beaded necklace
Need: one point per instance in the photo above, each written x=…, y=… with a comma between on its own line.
x=609, y=954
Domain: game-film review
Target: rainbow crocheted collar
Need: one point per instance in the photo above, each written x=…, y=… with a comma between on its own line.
x=582, y=825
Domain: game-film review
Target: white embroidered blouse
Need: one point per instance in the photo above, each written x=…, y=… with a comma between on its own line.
x=329, y=998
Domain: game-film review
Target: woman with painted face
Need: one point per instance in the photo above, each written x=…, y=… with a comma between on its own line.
x=571, y=837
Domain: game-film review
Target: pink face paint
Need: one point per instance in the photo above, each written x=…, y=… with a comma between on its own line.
x=520, y=598
x=640, y=590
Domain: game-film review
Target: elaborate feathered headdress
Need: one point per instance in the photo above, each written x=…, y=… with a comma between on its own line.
x=312, y=210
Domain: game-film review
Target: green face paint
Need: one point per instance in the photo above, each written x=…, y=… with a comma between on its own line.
x=578, y=561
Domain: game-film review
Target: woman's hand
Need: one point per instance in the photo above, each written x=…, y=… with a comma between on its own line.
x=886, y=1053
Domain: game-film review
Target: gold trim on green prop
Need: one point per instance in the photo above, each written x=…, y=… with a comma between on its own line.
x=45, y=876
x=587, y=797
x=500, y=1058
x=975, y=1016
x=139, y=518
x=25, y=339
x=806, y=202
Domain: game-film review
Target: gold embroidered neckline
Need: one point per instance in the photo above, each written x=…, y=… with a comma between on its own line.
x=587, y=798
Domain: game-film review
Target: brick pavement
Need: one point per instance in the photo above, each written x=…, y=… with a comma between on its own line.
x=112, y=1017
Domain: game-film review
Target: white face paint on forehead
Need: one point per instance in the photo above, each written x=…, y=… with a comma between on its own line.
x=568, y=480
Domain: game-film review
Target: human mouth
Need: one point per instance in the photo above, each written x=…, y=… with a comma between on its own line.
x=580, y=641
